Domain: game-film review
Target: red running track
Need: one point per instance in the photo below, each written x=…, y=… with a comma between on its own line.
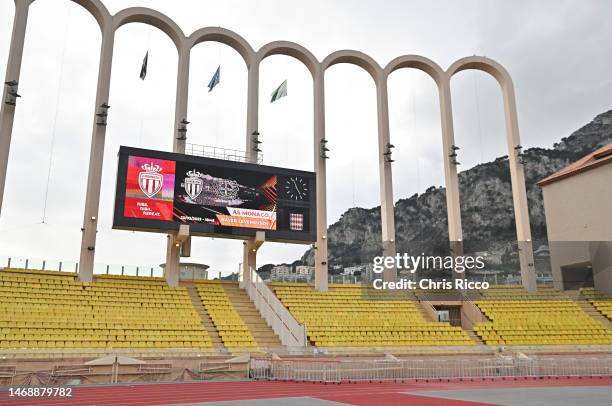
x=360, y=394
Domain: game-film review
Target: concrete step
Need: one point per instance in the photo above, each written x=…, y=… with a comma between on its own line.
x=204, y=317
x=474, y=337
x=589, y=309
x=262, y=333
x=573, y=294
x=424, y=312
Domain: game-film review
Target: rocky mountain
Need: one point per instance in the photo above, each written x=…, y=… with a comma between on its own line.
x=486, y=206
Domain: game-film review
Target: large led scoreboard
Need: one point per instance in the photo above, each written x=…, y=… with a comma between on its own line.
x=158, y=191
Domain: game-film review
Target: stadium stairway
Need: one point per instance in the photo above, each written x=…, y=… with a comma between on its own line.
x=206, y=321
x=584, y=299
x=474, y=337
x=263, y=334
x=239, y=324
x=427, y=311
x=424, y=307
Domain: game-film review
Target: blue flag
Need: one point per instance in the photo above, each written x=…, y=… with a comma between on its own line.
x=216, y=79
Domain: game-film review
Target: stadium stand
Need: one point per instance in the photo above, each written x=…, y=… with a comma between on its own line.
x=48, y=309
x=542, y=318
x=599, y=300
x=41, y=309
x=353, y=316
x=232, y=329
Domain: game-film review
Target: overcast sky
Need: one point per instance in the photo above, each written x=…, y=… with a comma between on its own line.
x=558, y=52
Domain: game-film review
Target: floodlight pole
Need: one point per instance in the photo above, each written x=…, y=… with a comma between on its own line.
x=13, y=70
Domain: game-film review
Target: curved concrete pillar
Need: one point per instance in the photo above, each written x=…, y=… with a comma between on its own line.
x=385, y=171
x=252, y=111
x=314, y=67
x=168, y=26
x=155, y=18
x=355, y=58
x=290, y=49
x=519, y=193
x=416, y=62
x=96, y=158
x=453, y=204
x=109, y=24
x=182, y=98
x=98, y=10
x=94, y=179
x=455, y=234
x=245, y=50
x=13, y=71
x=248, y=251
x=278, y=48
x=224, y=36
x=173, y=246
x=321, y=262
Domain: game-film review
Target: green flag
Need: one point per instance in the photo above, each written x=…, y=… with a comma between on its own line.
x=280, y=91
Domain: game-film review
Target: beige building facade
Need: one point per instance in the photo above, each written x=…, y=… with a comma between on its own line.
x=578, y=205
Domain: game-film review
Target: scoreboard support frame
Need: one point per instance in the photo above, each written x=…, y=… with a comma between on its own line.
x=249, y=260
x=176, y=242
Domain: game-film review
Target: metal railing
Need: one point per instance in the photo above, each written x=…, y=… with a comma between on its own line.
x=291, y=333
x=370, y=370
x=227, y=154
x=72, y=266
x=36, y=264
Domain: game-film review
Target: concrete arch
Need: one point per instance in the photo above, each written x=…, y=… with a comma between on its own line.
x=291, y=49
x=379, y=76
x=224, y=36
x=417, y=62
x=356, y=58
x=451, y=179
x=151, y=17
x=98, y=10
x=517, y=175
x=484, y=64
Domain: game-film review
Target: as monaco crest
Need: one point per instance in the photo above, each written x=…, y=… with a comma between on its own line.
x=150, y=180
x=193, y=184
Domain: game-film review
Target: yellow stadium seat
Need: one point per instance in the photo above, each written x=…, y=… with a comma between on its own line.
x=545, y=317
x=356, y=316
x=53, y=309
